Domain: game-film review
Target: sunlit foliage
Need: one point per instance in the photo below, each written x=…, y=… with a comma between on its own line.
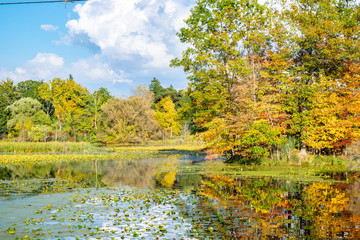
x=294, y=69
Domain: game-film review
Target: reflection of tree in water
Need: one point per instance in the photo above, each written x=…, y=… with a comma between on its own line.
x=329, y=210
x=70, y=175
x=110, y=173
x=137, y=173
x=188, y=182
x=5, y=173
x=168, y=175
x=281, y=209
x=30, y=171
x=166, y=179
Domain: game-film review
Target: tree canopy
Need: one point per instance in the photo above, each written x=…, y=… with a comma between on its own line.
x=294, y=70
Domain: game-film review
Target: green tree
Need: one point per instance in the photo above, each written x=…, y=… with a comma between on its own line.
x=8, y=95
x=97, y=99
x=29, y=88
x=225, y=60
x=23, y=114
x=160, y=92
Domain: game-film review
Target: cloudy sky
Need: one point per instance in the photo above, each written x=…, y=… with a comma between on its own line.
x=117, y=44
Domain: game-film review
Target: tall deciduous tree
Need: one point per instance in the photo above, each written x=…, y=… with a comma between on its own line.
x=29, y=88
x=228, y=44
x=69, y=100
x=247, y=62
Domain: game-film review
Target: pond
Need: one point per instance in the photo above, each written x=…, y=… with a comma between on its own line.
x=176, y=196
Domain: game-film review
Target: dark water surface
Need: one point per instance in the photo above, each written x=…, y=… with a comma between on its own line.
x=176, y=197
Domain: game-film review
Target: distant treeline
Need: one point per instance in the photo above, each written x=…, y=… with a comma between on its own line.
x=63, y=110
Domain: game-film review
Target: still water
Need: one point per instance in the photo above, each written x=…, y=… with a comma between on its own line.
x=176, y=197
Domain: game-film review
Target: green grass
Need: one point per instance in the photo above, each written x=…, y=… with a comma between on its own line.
x=45, y=147
x=35, y=158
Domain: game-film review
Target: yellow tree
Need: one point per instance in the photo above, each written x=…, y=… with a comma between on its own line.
x=324, y=44
x=167, y=116
x=69, y=100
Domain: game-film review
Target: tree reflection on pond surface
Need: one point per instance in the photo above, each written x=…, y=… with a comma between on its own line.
x=219, y=205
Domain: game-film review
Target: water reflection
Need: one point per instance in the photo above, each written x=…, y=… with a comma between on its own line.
x=223, y=206
x=277, y=208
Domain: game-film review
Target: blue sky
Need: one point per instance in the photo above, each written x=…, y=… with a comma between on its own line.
x=117, y=44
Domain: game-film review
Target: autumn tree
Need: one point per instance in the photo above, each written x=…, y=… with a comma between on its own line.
x=248, y=62
x=69, y=100
x=167, y=116
x=227, y=54
x=323, y=44
x=130, y=120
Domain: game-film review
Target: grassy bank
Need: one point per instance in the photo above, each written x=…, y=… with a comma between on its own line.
x=19, y=159
x=76, y=147
x=45, y=147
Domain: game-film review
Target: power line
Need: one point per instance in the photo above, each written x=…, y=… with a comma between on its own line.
x=36, y=2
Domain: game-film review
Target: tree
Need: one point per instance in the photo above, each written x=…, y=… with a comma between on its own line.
x=167, y=116
x=160, y=92
x=29, y=88
x=248, y=62
x=23, y=112
x=8, y=95
x=225, y=62
x=98, y=98
x=69, y=100
x=323, y=47
x=156, y=88
x=130, y=120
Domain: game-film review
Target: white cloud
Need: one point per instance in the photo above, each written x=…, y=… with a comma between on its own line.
x=95, y=69
x=42, y=66
x=49, y=27
x=46, y=66
x=123, y=81
x=132, y=41
x=47, y=59
x=139, y=31
x=20, y=70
